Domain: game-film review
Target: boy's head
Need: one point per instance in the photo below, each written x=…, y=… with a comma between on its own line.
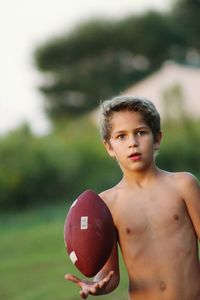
x=135, y=104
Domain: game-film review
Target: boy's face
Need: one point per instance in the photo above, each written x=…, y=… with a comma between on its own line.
x=131, y=142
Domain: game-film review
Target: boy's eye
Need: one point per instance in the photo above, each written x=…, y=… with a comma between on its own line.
x=121, y=137
x=141, y=132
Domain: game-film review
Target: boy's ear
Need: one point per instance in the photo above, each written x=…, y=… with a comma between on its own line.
x=109, y=148
x=158, y=141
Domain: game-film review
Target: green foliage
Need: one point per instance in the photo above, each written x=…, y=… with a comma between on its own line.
x=35, y=170
x=186, y=18
x=59, y=54
x=180, y=147
x=149, y=35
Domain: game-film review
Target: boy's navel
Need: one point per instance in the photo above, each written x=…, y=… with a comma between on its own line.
x=162, y=285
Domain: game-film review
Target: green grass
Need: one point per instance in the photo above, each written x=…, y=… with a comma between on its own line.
x=34, y=259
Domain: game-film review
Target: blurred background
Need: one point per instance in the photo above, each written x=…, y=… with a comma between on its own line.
x=59, y=59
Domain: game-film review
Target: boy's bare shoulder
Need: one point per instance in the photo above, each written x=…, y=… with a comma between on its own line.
x=183, y=181
x=110, y=195
x=183, y=178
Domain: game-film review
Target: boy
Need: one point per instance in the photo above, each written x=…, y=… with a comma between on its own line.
x=156, y=213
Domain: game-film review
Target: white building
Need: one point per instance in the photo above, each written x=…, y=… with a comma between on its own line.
x=174, y=89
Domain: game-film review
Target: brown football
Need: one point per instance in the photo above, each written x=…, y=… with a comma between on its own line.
x=89, y=233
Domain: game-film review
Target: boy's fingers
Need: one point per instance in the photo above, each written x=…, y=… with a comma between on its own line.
x=93, y=288
x=110, y=274
x=84, y=294
x=106, y=279
x=102, y=283
x=72, y=278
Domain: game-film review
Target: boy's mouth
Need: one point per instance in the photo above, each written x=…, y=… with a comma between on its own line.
x=135, y=156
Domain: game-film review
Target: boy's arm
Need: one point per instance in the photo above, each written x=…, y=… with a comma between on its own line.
x=191, y=195
x=104, y=282
x=111, y=265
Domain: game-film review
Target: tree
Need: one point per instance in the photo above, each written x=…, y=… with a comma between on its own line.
x=100, y=59
x=186, y=15
x=185, y=18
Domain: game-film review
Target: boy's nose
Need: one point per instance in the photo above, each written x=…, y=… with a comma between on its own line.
x=133, y=142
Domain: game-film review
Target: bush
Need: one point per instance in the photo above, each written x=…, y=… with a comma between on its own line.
x=180, y=146
x=35, y=170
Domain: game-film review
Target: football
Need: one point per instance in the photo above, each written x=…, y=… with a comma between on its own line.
x=89, y=233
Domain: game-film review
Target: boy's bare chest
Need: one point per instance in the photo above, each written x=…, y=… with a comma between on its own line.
x=151, y=213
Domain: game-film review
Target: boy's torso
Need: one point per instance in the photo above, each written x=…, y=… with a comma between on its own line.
x=157, y=240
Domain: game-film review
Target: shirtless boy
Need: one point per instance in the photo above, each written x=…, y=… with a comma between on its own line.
x=156, y=213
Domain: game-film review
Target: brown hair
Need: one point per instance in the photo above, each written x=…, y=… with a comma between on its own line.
x=136, y=104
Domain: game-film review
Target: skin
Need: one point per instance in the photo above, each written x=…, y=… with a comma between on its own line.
x=157, y=216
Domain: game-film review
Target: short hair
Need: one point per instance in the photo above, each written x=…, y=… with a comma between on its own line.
x=145, y=107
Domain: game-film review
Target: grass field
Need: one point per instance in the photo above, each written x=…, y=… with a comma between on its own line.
x=34, y=260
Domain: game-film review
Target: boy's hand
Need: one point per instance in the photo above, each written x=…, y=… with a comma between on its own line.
x=90, y=287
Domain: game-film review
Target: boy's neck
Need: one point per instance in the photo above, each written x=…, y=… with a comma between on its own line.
x=140, y=179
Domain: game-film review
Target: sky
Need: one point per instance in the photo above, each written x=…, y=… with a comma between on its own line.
x=25, y=25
